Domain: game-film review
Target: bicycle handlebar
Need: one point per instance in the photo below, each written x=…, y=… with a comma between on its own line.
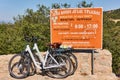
x=35, y=39
x=27, y=38
x=32, y=39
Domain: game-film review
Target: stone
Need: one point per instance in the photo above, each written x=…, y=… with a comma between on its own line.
x=102, y=67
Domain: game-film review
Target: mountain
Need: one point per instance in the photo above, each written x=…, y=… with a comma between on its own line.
x=114, y=14
x=111, y=36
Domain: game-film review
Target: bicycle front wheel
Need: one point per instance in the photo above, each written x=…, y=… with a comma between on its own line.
x=61, y=71
x=18, y=67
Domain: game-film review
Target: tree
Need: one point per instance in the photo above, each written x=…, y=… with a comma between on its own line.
x=111, y=39
x=35, y=23
x=65, y=5
x=84, y=4
x=55, y=6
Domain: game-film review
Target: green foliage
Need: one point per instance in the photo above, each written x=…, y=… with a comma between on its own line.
x=10, y=39
x=111, y=39
x=114, y=14
x=35, y=24
x=58, y=5
x=84, y=4
x=118, y=23
x=55, y=6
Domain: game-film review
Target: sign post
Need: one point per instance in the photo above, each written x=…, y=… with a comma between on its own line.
x=92, y=62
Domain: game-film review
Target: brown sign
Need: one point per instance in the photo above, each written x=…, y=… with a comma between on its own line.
x=77, y=27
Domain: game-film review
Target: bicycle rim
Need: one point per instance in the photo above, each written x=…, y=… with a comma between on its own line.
x=17, y=67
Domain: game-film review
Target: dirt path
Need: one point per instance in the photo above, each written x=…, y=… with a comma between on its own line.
x=115, y=20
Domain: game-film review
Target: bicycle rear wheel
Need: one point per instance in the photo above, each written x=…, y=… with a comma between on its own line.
x=18, y=67
x=61, y=71
x=74, y=62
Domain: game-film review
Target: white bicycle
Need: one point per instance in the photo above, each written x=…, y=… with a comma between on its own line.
x=25, y=63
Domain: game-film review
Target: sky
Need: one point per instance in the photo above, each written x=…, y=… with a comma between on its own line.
x=12, y=8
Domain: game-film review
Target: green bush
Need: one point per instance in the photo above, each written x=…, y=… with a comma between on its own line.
x=111, y=41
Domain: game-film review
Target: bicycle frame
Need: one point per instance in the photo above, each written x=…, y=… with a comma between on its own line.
x=43, y=60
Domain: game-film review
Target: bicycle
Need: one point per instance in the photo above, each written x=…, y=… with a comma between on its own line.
x=56, y=49
x=54, y=65
x=66, y=51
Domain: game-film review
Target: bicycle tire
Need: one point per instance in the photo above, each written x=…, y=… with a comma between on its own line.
x=56, y=72
x=20, y=65
x=74, y=62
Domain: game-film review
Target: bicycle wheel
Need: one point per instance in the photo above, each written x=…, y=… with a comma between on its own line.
x=61, y=71
x=74, y=62
x=18, y=67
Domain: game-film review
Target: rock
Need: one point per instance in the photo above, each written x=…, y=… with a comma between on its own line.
x=102, y=67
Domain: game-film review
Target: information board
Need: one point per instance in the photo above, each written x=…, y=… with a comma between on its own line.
x=77, y=27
